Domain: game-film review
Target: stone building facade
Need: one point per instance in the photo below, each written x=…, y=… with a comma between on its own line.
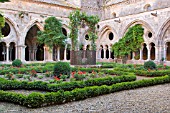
x=25, y=17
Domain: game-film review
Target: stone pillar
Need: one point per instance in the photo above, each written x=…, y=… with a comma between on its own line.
x=109, y=52
x=44, y=53
x=16, y=52
x=133, y=56
x=65, y=53
x=84, y=47
x=7, y=51
x=22, y=52
x=165, y=51
x=104, y=49
x=58, y=53
x=35, y=54
x=141, y=53
x=30, y=54
x=149, y=52
x=156, y=53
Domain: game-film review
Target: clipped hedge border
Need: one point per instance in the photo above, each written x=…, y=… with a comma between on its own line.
x=66, y=86
x=145, y=73
x=35, y=100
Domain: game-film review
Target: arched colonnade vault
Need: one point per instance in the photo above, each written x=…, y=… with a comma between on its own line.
x=25, y=46
x=149, y=49
x=16, y=45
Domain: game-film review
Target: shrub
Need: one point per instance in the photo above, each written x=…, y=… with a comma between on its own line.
x=40, y=77
x=149, y=65
x=19, y=75
x=35, y=100
x=17, y=63
x=62, y=68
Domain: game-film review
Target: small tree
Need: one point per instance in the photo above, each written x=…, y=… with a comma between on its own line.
x=78, y=19
x=131, y=42
x=52, y=34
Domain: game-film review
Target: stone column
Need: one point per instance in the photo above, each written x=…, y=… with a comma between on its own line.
x=7, y=52
x=84, y=47
x=165, y=51
x=104, y=49
x=44, y=53
x=30, y=54
x=16, y=52
x=133, y=56
x=65, y=53
x=141, y=53
x=22, y=52
x=58, y=53
x=109, y=52
x=149, y=52
x=35, y=55
x=156, y=53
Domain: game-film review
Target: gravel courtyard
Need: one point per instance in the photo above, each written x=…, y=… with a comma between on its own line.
x=155, y=99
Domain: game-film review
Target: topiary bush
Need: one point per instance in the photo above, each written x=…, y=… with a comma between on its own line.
x=17, y=63
x=62, y=68
x=150, y=65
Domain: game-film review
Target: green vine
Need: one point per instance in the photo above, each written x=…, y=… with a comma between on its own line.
x=131, y=42
x=76, y=19
x=2, y=24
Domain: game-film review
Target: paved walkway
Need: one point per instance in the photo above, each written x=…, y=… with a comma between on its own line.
x=155, y=99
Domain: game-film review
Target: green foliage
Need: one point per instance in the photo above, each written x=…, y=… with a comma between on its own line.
x=17, y=63
x=35, y=100
x=149, y=65
x=19, y=75
x=2, y=24
x=131, y=42
x=62, y=68
x=52, y=34
x=4, y=0
x=76, y=19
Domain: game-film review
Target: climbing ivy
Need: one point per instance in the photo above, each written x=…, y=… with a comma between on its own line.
x=76, y=19
x=131, y=41
x=2, y=24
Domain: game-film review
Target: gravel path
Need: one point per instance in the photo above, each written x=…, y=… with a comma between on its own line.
x=155, y=99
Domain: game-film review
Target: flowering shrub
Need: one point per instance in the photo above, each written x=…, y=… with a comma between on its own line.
x=33, y=73
x=10, y=76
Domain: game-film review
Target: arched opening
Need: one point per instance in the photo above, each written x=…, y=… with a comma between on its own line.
x=112, y=55
x=152, y=51
x=107, y=52
x=102, y=52
x=150, y=35
x=87, y=37
x=111, y=36
x=145, y=52
x=40, y=52
x=68, y=51
x=6, y=30
x=33, y=51
x=137, y=55
x=114, y=15
x=88, y=47
x=130, y=56
x=2, y=51
x=64, y=31
x=147, y=7
x=12, y=51
x=168, y=52
x=61, y=53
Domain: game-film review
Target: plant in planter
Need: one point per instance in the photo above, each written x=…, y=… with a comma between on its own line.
x=33, y=73
x=10, y=76
x=63, y=77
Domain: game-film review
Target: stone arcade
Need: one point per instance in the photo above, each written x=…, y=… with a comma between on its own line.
x=25, y=17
